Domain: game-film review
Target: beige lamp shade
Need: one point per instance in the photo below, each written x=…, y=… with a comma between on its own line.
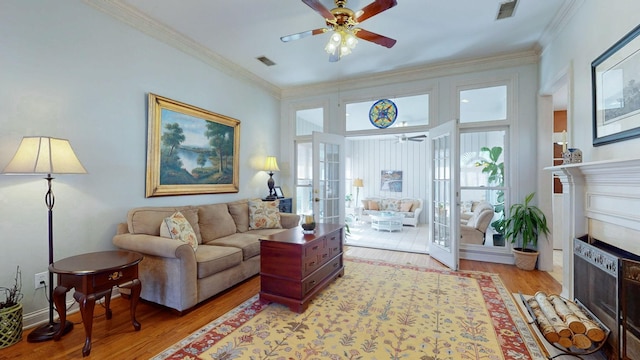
x=357, y=182
x=44, y=155
x=271, y=164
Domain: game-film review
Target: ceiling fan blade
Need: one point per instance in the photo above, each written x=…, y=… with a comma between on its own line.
x=418, y=137
x=303, y=34
x=319, y=8
x=375, y=38
x=374, y=8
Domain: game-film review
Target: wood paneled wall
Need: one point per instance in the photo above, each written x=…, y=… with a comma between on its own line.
x=368, y=158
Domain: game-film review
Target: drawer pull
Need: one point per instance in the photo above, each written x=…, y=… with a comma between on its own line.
x=312, y=263
x=315, y=247
x=335, y=265
x=335, y=249
x=324, y=255
x=115, y=276
x=313, y=282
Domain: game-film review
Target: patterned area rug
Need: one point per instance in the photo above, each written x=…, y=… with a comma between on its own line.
x=375, y=311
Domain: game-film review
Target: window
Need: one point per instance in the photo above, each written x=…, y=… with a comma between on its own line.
x=412, y=111
x=482, y=177
x=308, y=121
x=483, y=104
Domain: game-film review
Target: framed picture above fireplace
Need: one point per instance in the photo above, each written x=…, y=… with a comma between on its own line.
x=615, y=78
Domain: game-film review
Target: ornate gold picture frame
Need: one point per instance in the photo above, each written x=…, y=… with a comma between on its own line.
x=190, y=150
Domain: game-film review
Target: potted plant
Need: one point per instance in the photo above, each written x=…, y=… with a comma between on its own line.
x=11, y=312
x=495, y=170
x=522, y=227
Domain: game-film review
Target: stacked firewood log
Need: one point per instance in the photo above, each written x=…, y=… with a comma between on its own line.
x=563, y=322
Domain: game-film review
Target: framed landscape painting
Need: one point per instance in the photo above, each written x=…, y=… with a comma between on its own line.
x=190, y=150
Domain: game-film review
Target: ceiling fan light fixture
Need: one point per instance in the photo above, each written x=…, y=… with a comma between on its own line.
x=342, y=39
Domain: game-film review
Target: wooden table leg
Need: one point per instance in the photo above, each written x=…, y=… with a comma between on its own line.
x=136, y=287
x=87, y=304
x=107, y=303
x=59, y=299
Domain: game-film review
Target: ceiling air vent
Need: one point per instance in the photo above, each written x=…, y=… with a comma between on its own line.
x=506, y=9
x=265, y=60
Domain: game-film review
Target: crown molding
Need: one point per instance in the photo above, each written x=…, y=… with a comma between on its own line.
x=134, y=18
x=423, y=72
x=560, y=20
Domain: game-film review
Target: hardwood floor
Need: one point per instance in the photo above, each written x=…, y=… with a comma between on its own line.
x=116, y=338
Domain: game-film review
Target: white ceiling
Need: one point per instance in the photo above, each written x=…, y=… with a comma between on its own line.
x=427, y=32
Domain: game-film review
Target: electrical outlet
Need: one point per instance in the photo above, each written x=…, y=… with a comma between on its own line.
x=41, y=279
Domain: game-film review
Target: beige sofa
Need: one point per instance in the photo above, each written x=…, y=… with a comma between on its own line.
x=474, y=223
x=175, y=275
x=410, y=208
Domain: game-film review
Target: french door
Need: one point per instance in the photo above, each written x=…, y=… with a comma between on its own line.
x=328, y=178
x=445, y=214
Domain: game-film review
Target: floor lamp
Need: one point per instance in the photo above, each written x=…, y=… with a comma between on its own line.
x=40, y=155
x=357, y=183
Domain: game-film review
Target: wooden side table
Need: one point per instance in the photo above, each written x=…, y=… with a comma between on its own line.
x=93, y=276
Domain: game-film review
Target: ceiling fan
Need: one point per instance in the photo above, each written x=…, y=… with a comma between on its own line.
x=402, y=138
x=343, y=23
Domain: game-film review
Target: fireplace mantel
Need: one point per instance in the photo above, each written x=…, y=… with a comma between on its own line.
x=600, y=198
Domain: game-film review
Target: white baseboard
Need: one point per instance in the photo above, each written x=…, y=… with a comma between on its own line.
x=39, y=317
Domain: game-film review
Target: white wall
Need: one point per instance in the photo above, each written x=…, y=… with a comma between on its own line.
x=592, y=29
x=71, y=71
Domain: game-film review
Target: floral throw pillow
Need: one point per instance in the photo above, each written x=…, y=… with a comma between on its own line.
x=177, y=227
x=264, y=215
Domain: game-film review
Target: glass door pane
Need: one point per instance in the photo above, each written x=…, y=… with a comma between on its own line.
x=444, y=200
x=328, y=179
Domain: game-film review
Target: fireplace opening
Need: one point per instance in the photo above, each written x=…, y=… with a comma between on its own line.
x=606, y=280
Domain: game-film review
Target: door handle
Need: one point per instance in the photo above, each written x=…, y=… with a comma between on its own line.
x=316, y=199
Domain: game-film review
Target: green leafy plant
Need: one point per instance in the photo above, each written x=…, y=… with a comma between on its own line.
x=495, y=170
x=525, y=223
x=12, y=296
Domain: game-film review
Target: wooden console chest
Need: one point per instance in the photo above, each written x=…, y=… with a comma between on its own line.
x=294, y=266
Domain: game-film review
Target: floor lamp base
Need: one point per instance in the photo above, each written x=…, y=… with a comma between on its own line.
x=45, y=332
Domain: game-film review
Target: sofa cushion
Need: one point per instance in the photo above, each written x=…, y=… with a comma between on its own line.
x=215, y=221
x=389, y=204
x=177, y=227
x=374, y=205
x=365, y=204
x=405, y=206
x=239, y=211
x=264, y=214
x=147, y=220
x=213, y=259
x=248, y=243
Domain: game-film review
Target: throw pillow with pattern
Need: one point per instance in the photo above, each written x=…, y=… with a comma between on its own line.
x=264, y=215
x=177, y=227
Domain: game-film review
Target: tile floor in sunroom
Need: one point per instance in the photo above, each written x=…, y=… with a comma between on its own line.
x=410, y=239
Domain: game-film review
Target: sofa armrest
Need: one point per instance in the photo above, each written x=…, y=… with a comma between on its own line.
x=416, y=212
x=471, y=235
x=154, y=245
x=289, y=221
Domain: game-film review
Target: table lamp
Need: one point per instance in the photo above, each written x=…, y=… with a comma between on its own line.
x=271, y=165
x=42, y=155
